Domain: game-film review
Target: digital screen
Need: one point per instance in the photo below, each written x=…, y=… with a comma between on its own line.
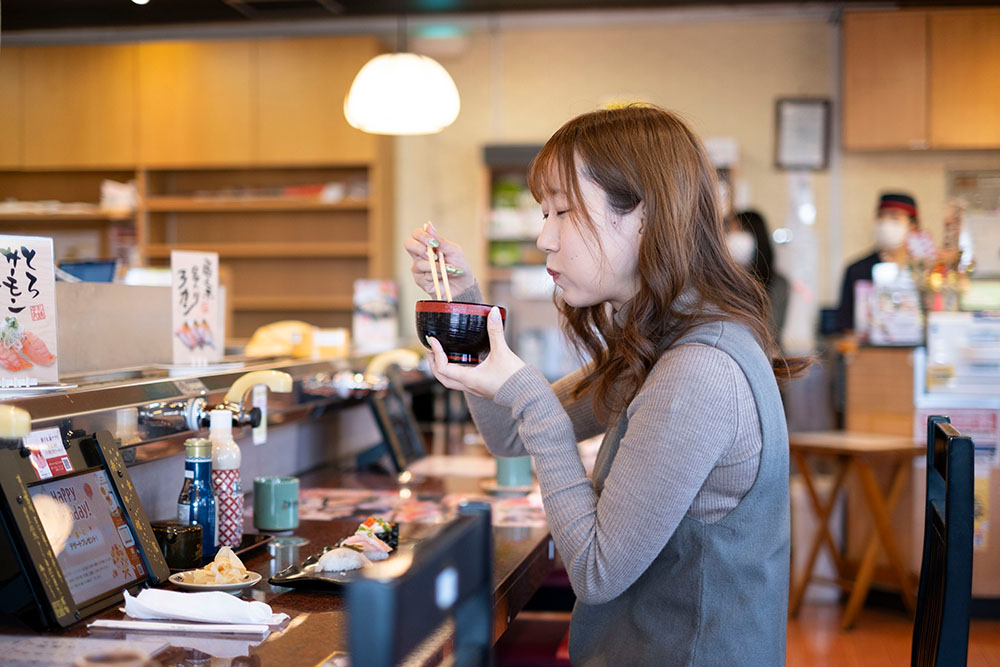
x=86, y=527
x=91, y=271
x=398, y=427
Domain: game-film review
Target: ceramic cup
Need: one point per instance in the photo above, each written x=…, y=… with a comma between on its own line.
x=514, y=471
x=276, y=504
x=180, y=544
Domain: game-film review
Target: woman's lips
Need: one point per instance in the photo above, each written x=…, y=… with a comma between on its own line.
x=554, y=274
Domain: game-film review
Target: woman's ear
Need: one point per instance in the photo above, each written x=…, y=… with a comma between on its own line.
x=640, y=211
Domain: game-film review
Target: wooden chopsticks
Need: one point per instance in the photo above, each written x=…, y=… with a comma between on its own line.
x=444, y=273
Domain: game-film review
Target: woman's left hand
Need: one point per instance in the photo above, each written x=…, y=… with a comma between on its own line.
x=486, y=378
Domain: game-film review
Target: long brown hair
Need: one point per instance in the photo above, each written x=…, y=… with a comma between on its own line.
x=645, y=154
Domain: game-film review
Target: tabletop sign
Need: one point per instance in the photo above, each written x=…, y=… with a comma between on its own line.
x=194, y=291
x=28, y=298
x=47, y=453
x=75, y=534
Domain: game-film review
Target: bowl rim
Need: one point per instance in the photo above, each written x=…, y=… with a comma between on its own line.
x=463, y=307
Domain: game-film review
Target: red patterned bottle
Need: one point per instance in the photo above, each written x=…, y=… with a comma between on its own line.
x=226, y=480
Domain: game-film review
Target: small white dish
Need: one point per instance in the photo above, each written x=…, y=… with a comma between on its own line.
x=178, y=580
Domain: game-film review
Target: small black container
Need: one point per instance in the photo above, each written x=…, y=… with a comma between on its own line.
x=181, y=545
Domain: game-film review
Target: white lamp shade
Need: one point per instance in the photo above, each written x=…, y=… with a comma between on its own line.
x=402, y=93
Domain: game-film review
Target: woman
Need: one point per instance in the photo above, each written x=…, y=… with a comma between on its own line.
x=678, y=549
x=750, y=245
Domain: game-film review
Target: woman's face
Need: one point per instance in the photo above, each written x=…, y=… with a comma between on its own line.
x=590, y=271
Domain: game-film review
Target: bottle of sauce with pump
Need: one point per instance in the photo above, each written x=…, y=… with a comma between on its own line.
x=226, y=479
x=196, y=504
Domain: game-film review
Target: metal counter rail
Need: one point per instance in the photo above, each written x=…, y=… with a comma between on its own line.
x=160, y=402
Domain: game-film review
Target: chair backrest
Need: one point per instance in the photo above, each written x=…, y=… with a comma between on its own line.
x=941, y=628
x=396, y=604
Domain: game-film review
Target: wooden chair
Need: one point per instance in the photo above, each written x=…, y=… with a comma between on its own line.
x=397, y=608
x=941, y=628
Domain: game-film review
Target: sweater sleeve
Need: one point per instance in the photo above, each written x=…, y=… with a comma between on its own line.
x=680, y=425
x=498, y=427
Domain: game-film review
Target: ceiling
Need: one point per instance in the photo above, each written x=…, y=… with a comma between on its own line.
x=21, y=15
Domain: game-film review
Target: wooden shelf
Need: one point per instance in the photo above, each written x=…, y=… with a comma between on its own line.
x=266, y=249
x=63, y=217
x=293, y=302
x=244, y=204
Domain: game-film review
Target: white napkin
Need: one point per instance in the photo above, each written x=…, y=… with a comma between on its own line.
x=208, y=607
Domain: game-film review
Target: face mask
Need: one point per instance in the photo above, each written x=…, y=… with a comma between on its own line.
x=742, y=246
x=890, y=234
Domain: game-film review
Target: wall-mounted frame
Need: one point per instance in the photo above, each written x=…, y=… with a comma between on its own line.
x=801, y=133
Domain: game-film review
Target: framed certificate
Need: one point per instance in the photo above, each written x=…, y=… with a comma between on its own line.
x=802, y=133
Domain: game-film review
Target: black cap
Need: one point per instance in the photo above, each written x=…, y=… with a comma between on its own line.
x=899, y=201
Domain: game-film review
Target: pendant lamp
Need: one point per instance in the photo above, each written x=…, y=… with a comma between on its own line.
x=402, y=93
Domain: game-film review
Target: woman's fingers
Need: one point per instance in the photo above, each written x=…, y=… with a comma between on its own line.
x=443, y=371
x=456, y=265
x=494, y=327
x=415, y=247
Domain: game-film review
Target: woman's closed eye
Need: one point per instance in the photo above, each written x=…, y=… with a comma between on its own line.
x=545, y=216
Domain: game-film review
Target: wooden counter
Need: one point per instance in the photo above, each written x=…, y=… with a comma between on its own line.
x=318, y=627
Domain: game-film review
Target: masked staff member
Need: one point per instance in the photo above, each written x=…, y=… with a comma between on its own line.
x=750, y=245
x=895, y=219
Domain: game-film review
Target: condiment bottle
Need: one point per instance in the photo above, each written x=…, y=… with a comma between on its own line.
x=226, y=479
x=196, y=504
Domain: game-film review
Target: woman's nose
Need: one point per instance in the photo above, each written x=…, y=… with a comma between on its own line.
x=548, y=238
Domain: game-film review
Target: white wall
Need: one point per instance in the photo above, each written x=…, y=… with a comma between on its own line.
x=521, y=78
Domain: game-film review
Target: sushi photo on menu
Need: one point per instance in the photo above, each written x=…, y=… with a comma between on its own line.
x=28, y=332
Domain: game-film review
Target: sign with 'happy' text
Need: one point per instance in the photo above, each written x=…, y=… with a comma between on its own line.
x=28, y=312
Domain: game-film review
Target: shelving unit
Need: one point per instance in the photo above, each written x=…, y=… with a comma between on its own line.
x=246, y=204
x=277, y=249
x=62, y=204
x=63, y=217
x=315, y=302
x=515, y=276
x=229, y=142
x=286, y=256
x=289, y=256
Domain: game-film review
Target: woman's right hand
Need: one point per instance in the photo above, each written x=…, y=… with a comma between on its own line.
x=460, y=277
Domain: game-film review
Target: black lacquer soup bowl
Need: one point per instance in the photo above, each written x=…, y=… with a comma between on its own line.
x=460, y=327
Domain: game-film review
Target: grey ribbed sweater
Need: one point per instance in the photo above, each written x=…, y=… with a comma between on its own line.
x=687, y=448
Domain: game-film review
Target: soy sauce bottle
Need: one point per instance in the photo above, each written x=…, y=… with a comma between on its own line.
x=196, y=503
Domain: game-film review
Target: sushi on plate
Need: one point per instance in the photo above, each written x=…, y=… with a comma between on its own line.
x=340, y=559
x=379, y=528
x=373, y=548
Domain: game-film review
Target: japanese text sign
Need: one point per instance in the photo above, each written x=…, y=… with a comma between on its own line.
x=27, y=312
x=194, y=294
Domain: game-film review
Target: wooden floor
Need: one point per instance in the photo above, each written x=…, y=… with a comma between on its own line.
x=880, y=637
